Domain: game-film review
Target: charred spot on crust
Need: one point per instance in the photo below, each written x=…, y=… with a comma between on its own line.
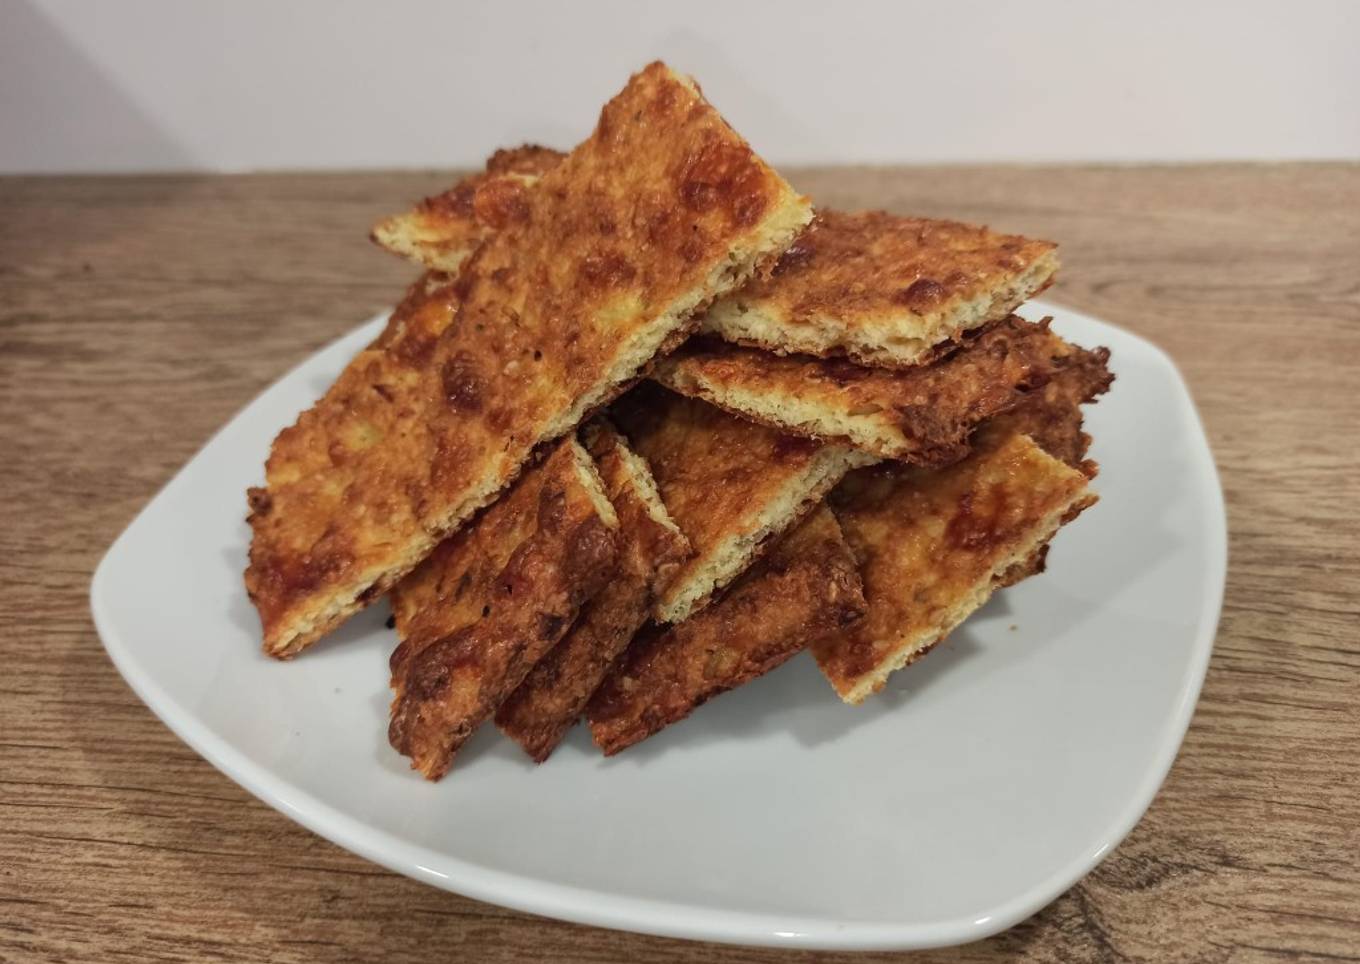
x=461, y=382
x=259, y=500
x=922, y=293
x=722, y=174
x=799, y=254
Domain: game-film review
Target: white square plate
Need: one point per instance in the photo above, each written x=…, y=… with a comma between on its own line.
x=977, y=787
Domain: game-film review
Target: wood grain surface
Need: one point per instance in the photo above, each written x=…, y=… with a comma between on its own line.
x=138, y=314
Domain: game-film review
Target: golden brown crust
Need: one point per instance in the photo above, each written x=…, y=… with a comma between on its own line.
x=661, y=209
x=731, y=485
x=883, y=289
x=477, y=615
x=551, y=698
x=345, y=477
x=921, y=415
x=1052, y=415
x=441, y=231
x=807, y=586
x=933, y=544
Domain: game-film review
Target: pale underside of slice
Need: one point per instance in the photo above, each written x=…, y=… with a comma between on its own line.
x=442, y=231
x=805, y=587
x=921, y=415
x=732, y=485
x=550, y=700
x=603, y=267
x=933, y=544
x=885, y=290
x=491, y=600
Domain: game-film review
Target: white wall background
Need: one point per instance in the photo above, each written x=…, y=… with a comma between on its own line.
x=169, y=84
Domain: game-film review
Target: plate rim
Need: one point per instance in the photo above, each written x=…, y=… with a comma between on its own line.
x=658, y=917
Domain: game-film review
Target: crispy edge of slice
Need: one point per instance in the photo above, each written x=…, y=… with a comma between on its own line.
x=800, y=494
x=732, y=485
x=934, y=544
x=833, y=293
x=441, y=231
x=807, y=586
x=922, y=415
x=737, y=213
x=445, y=687
x=552, y=697
x=1052, y=417
x=322, y=445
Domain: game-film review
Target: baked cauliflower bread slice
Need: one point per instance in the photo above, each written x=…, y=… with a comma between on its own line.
x=933, y=544
x=807, y=586
x=492, y=599
x=660, y=210
x=884, y=290
x=441, y=231
x=550, y=700
x=732, y=485
x=922, y=415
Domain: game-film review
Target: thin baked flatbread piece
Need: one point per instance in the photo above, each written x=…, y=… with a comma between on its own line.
x=442, y=231
x=492, y=599
x=933, y=544
x=807, y=586
x=550, y=700
x=731, y=485
x=885, y=290
x=663, y=208
x=921, y=415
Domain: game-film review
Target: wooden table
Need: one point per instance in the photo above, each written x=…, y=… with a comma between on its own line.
x=138, y=314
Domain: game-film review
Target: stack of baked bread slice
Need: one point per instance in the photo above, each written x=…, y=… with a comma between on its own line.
x=646, y=428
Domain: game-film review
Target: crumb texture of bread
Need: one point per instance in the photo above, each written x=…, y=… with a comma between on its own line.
x=933, y=544
x=731, y=485
x=552, y=697
x=663, y=208
x=882, y=289
x=808, y=585
x=492, y=600
x=921, y=415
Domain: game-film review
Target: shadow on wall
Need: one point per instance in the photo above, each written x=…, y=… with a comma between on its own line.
x=55, y=103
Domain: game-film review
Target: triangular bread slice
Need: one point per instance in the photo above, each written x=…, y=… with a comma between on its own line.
x=922, y=415
x=491, y=600
x=550, y=700
x=934, y=544
x=663, y=208
x=885, y=290
x=807, y=586
x=731, y=485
